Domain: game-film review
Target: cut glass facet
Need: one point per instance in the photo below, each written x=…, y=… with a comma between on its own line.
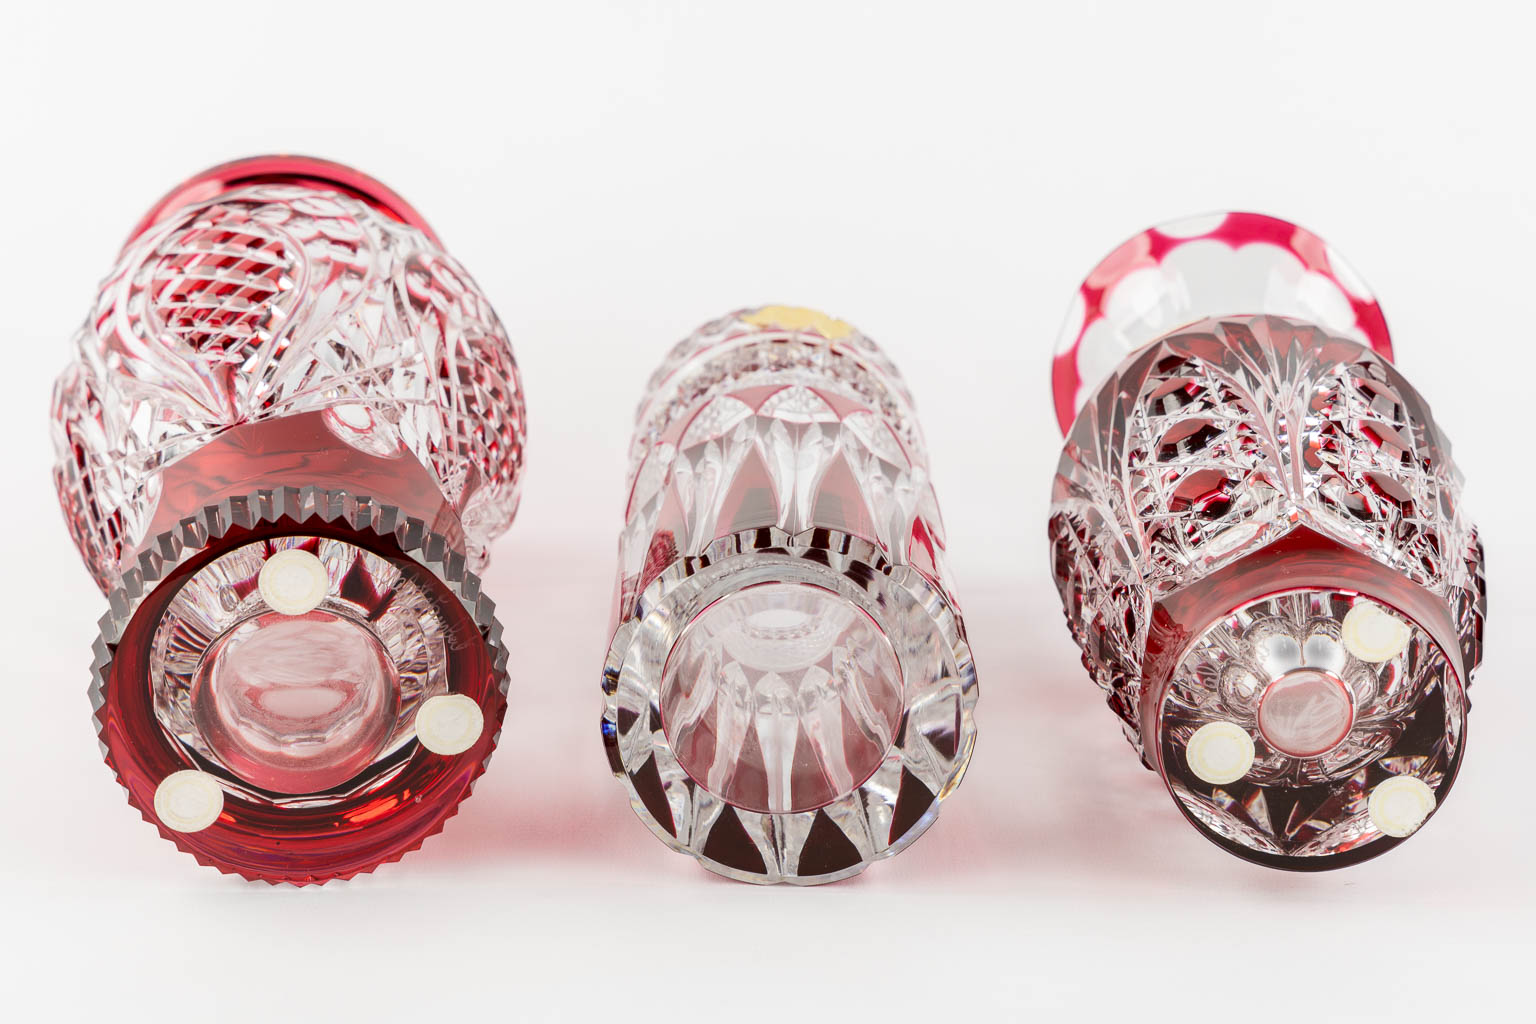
x=292, y=428
x=788, y=691
x=1256, y=523
x=781, y=697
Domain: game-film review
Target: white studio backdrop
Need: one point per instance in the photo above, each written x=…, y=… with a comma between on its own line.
x=942, y=175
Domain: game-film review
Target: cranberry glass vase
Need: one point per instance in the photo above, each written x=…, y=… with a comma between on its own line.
x=789, y=692
x=1258, y=535
x=292, y=427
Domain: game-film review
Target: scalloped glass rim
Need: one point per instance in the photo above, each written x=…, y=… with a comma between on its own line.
x=1213, y=265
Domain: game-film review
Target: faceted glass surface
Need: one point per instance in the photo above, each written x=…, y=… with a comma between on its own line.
x=284, y=362
x=270, y=302
x=747, y=426
x=781, y=697
x=788, y=686
x=1244, y=455
x=1328, y=725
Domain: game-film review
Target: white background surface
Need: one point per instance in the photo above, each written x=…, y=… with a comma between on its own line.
x=942, y=174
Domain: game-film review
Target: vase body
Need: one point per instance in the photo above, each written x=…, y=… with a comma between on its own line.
x=1259, y=538
x=788, y=691
x=292, y=428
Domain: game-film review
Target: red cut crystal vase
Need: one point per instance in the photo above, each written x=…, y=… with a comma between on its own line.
x=292, y=427
x=788, y=693
x=1259, y=539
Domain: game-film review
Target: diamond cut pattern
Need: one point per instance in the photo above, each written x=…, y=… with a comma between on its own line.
x=272, y=301
x=1216, y=441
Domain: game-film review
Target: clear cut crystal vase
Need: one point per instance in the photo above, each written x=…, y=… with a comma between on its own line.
x=788, y=694
x=1258, y=536
x=292, y=426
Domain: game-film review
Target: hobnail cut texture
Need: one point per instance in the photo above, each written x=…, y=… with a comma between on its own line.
x=778, y=446
x=1229, y=437
x=268, y=302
